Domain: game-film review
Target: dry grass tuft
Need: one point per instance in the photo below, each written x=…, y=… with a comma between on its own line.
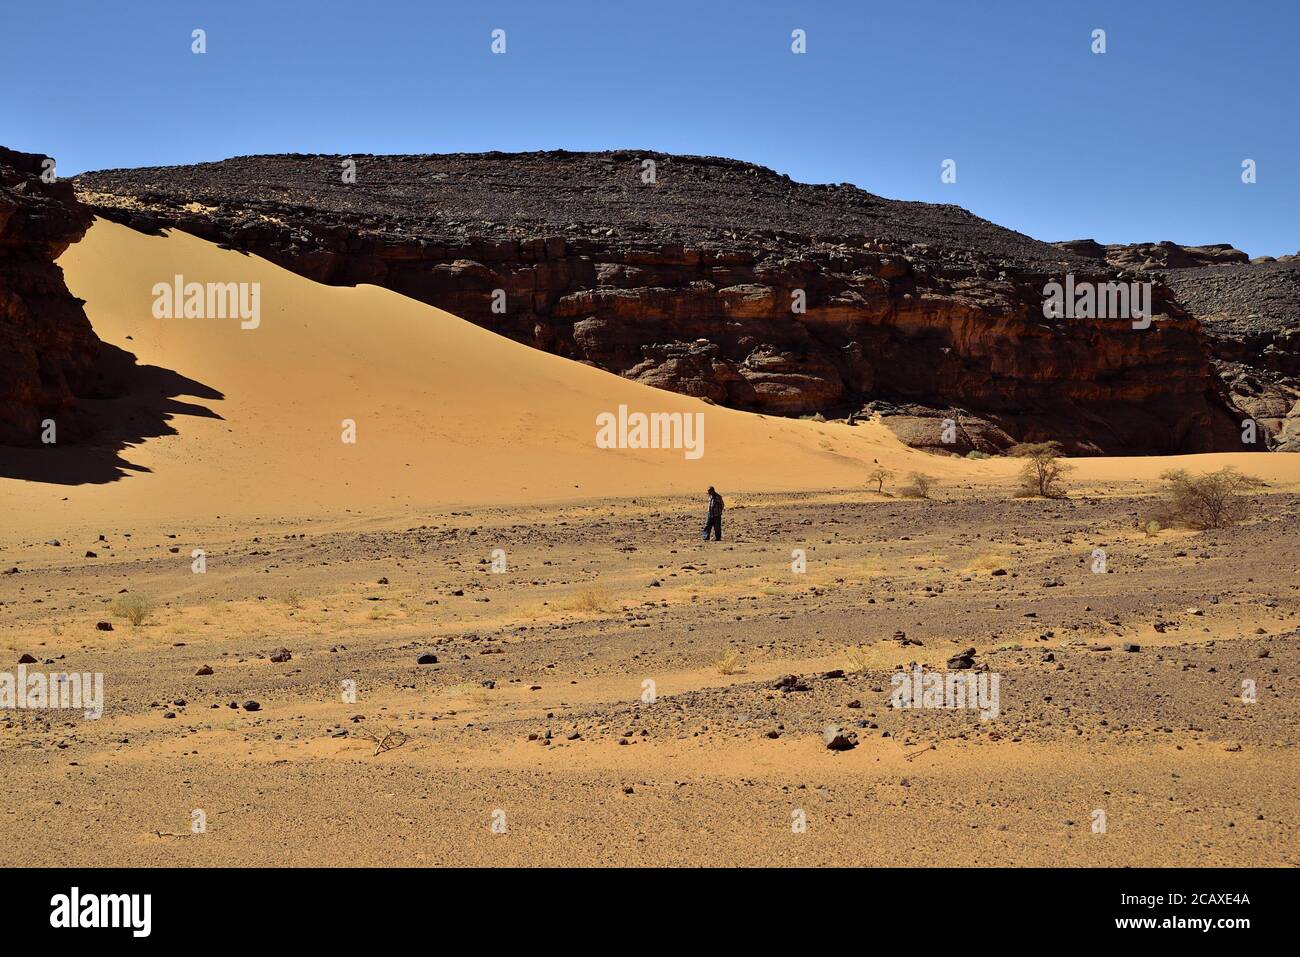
x=588, y=598
x=858, y=660
x=134, y=608
x=728, y=664
x=988, y=561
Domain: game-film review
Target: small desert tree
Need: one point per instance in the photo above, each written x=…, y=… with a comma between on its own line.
x=879, y=476
x=1209, y=500
x=1043, y=469
x=918, y=486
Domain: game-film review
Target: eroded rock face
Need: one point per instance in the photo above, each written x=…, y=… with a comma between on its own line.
x=719, y=279
x=1162, y=255
x=1251, y=314
x=47, y=347
x=1250, y=310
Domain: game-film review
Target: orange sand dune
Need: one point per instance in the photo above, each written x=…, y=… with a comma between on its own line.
x=446, y=413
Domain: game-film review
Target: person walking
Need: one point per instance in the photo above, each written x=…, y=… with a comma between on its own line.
x=714, y=521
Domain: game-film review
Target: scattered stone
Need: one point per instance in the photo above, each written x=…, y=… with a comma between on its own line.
x=251, y=705
x=103, y=626
x=837, y=739
x=428, y=658
x=204, y=671
x=789, y=683
x=962, y=661
x=281, y=655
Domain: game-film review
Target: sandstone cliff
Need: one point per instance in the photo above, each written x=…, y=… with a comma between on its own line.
x=47, y=348
x=690, y=282
x=1250, y=310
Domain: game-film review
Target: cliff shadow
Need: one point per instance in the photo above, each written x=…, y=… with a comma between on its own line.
x=128, y=404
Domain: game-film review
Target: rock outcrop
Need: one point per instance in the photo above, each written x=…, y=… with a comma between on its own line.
x=719, y=279
x=47, y=348
x=1162, y=255
x=1250, y=310
x=1251, y=314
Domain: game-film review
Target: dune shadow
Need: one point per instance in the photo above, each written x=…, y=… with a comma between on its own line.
x=128, y=404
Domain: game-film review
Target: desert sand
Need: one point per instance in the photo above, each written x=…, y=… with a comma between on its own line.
x=472, y=450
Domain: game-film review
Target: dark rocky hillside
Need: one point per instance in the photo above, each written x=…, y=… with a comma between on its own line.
x=918, y=311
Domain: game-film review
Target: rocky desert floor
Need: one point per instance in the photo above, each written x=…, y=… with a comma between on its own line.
x=610, y=690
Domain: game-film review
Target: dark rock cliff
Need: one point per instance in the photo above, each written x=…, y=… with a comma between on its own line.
x=1250, y=310
x=47, y=348
x=689, y=283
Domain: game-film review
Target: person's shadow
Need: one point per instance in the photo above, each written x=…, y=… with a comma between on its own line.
x=128, y=404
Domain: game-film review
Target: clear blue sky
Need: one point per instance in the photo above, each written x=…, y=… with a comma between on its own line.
x=1144, y=142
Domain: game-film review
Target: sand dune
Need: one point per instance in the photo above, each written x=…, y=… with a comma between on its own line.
x=446, y=413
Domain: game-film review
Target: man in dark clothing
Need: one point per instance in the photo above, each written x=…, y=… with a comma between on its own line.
x=714, y=522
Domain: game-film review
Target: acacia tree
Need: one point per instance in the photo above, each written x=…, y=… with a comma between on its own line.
x=879, y=476
x=1043, y=468
x=1210, y=500
x=918, y=485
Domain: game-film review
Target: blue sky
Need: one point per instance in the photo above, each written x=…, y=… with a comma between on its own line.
x=1142, y=143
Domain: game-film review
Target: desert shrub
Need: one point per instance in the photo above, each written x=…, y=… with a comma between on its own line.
x=1043, y=469
x=728, y=664
x=880, y=476
x=588, y=598
x=134, y=608
x=292, y=599
x=918, y=486
x=977, y=454
x=1208, y=500
x=989, y=561
x=858, y=661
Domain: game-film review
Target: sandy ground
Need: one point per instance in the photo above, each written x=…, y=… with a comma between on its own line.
x=596, y=600
x=535, y=718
